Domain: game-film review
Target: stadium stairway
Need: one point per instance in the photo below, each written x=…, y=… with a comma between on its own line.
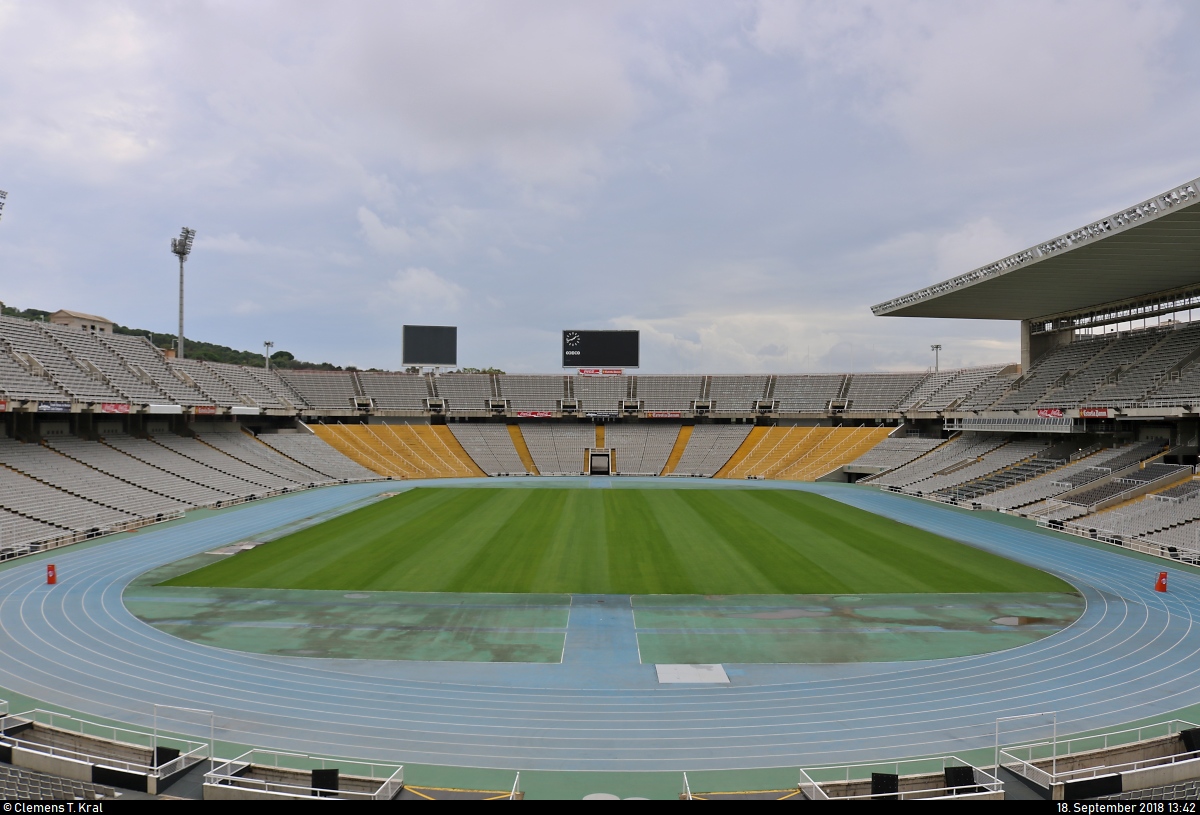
x=518, y=440
x=685, y=433
x=600, y=435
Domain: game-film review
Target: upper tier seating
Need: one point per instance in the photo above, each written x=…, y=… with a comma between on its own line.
x=84, y=385
x=600, y=394
x=882, y=392
x=1132, y=385
x=961, y=388
x=490, y=446
x=216, y=390
x=248, y=385
x=1115, y=357
x=465, y=392
x=333, y=390
x=137, y=351
x=668, y=392
x=736, y=394
x=710, y=447
x=315, y=454
x=640, y=449
x=395, y=391
x=931, y=385
x=1050, y=370
x=527, y=392
x=801, y=393
x=984, y=396
x=558, y=449
x=18, y=383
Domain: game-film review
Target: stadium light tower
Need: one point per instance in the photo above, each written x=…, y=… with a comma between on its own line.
x=3, y=197
x=935, y=349
x=182, y=247
x=267, y=346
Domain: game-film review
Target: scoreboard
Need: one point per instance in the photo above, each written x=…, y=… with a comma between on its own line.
x=434, y=346
x=600, y=349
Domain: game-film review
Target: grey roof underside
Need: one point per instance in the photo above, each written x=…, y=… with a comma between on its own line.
x=1149, y=248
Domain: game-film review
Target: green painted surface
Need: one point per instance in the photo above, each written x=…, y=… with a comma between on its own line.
x=617, y=541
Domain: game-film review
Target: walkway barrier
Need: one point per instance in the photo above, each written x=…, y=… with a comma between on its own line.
x=271, y=775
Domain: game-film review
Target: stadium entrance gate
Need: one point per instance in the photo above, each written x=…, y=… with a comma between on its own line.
x=600, y=461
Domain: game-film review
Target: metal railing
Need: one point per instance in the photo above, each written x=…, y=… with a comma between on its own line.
x=983, y=781
x=228, y=773
x=1021, y=759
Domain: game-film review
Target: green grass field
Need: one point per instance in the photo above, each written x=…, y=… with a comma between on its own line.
x=618, y=541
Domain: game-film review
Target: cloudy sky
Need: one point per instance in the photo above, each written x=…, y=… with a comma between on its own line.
x=739, y=181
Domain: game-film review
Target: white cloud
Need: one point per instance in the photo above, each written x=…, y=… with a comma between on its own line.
x=421, y=288
x=973, y=245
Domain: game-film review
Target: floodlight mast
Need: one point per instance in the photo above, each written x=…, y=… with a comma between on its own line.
x=936, y=349
x=3, y=197
x=267, y=346
x=182, y=247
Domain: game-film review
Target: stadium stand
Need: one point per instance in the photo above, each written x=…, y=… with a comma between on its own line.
x=216, y=390
x=963, y=449
x=333, y=390
x=736, y=394
x=1131, y=386
x=162, y=457
x=896, y=451
x=233, y=442
x=23, y=495
x=18, y=383
x=807, y=394
x=19, y=784
x=202, y=453
x=800, y=453
x=880, y=392
x=600, y=394
x=147, y=362
x=491, y=447
x=709, y=448
x=246, y=385
x=1049, y=372
x=1115, y=357
x=527, y=392
x=395, y=391
x=960, y=388
x=20, y=535
x=929, y=386
x=465, y=393
x=997, y=457
x=305, y=448
x=985, y=395
x=640, y=449
x=669, y=393
x=281, y=390
x=40, y=352
x=401, y=450
x=558, y=449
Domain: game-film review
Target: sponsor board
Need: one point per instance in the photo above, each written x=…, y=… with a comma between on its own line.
x=1095, y=413
x=535, y=414
x=602, y=414
x=1050, y=413
x=206, y=410
x=3, y=405
x=54, y=407
x=113, y=407
x=663, y=414
x=601, y=371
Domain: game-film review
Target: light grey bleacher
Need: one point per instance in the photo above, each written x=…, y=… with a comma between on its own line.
x=245, y=448
x=270, y=379
x=18, y=383
x=807, y=393
x=736, y=394
x=932, y=384
x=961, y=388
x=641, y=449
x=242, y=381
x=531, y=392
x=216, y=390
x=1150, y=515
x=18, y=534
x=1115, y=356
x=880, y=391
x=26, y=337
x=710, y=447
x=395, y=391
x=109, y=457
x=558, y=449
x=668, y=392
x=323, y=389
x=1055, y=482
x=163, y=458
x=197, y=450
x=601, y=394
x=1002, y=455
x=137, y=351
x=984, y=396
x=69, y=475
x=962, y=448
x=19, y=784
x=1132, y=385
x=464, y=392
x=1126, y=483
x=1049, y=370
x=490, y=446
x=318, y=455
x=87, y=347
x=896, y=452
x=24, y=496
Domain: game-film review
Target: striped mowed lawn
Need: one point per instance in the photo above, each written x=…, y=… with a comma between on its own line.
x=619, y=541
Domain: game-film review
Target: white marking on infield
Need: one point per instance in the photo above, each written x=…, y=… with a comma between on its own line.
x=691, y=674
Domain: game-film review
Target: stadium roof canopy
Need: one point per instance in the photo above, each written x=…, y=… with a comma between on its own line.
x=1148, y=248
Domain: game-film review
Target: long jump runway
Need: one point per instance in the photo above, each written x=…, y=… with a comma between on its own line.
x=1134, y=654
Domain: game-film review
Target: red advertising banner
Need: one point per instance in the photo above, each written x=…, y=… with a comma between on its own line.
x=1050, y=413
x=601, y=371
x=206, y=410
x=663, y=414
x=113, y=407
x=3, y=405
x=1095, y=413
x=535, y=414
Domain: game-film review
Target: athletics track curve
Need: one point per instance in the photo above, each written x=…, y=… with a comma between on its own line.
x=1133, y=654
